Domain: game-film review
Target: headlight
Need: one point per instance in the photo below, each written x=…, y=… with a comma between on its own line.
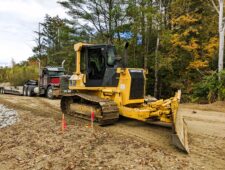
x=72, y=82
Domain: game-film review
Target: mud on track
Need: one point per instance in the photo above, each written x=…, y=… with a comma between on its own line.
x=36, y=141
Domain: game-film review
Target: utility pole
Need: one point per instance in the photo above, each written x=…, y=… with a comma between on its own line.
x=39, y=40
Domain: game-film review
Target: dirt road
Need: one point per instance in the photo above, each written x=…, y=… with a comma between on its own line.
x=36, y=141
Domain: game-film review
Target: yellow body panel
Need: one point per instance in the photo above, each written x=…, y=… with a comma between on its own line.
x=160, y=109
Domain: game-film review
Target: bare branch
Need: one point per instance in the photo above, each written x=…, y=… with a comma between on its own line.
x=214, y=5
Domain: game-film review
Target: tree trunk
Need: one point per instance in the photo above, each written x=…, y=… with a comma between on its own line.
x=221, y=43
x=221, y=34
x=156, y=68
x=110, y=36
x=143, y=32
x=156, y=55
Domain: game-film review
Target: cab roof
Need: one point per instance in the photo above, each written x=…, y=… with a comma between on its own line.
x=78, y=46
x=54, y=68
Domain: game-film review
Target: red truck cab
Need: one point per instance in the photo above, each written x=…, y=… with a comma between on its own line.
x=49, y=81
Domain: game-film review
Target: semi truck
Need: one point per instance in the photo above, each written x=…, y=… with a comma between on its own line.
x=48, y=83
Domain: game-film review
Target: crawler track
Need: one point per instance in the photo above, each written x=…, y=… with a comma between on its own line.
x=106, y=111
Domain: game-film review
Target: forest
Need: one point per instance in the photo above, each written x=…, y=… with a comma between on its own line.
x=176, y=40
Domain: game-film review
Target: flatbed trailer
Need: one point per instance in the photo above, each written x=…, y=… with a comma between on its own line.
x=31, y=88
x=16, y=90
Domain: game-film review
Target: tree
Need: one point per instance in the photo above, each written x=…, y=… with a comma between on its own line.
x=221, y=35
x=221, y=28
x=176, y=40
x=100, y=18
x=55, y=41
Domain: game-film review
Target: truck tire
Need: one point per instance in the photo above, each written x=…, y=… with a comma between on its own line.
x=29, y=92
x=25, y=91
x=49, y=93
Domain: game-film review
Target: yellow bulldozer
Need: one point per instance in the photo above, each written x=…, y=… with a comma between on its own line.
x=101, y=84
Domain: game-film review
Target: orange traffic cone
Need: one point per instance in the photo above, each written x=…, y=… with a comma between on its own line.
x=63, y=123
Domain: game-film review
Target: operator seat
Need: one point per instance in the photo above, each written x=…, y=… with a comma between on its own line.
x=93, y=71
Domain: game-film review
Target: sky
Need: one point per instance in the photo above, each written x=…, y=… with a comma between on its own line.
x=18, y=21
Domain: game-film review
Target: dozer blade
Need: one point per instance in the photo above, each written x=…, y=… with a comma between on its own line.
x=179, y=136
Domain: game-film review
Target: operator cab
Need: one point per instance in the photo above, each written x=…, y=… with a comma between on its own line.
x=99, y=63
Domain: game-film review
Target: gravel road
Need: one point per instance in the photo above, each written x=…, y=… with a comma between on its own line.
x=36, y=140
x=7, y=116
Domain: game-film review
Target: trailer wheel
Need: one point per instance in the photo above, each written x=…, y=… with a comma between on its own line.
x=49, y=93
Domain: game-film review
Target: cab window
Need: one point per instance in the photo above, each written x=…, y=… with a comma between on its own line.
x=96, y=62
x=111, y=56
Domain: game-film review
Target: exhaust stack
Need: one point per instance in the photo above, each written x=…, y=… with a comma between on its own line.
x=125, y=63
x=63, y=63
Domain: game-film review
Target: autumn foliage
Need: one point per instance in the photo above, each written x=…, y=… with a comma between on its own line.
x=177, y=40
